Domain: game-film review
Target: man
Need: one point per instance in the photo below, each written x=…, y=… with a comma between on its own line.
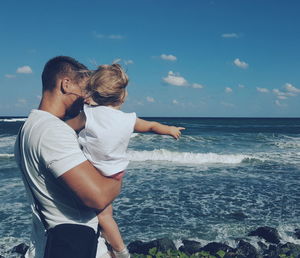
x=55, y=171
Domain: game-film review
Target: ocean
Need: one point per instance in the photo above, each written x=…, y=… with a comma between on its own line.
x=223, y=178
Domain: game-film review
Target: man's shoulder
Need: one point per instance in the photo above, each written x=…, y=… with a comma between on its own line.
x=38, y=119
x=41, y=124
x=53, y=141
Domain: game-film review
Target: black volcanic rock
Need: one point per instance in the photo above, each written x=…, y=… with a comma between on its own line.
x=297, y=233
x=214, y=247
x=162, y=245
x=138, y=247
x=20, y=249
x=283, y=250
x=269, y=234
x=289, y=249
x=273, y=251
x=245, y=249
x=190, y=247
x=263, y=247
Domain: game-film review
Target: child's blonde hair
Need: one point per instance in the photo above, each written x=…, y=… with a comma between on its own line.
x=107, y=85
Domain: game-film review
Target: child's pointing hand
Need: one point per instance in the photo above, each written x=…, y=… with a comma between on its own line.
x=176, y=131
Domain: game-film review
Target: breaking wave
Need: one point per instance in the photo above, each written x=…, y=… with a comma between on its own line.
x=6, y=155
x=13, y=119
x=187, y=157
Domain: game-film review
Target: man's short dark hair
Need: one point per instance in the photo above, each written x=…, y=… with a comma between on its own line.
x=60, y=66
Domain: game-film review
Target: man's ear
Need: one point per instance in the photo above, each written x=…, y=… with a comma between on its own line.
x=66, y=85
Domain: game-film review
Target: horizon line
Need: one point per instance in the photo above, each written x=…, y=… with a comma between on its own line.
x=247, y=117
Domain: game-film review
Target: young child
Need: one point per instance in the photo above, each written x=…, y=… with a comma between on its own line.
x=106, y=136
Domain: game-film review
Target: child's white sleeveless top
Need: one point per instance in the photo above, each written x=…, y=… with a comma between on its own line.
x=106, y=137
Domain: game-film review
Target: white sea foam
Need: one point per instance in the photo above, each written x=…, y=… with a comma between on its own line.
x=288, y=142
x=6, y=155
x=7, y=146
x=197, y=138
x=187, y=157
x=7, y=141
x=13, y=120
x=287, y=232
x=7, y=243
x=187, y=138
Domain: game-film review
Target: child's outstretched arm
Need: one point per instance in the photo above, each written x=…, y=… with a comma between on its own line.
x=151, y=126
x=78, y=122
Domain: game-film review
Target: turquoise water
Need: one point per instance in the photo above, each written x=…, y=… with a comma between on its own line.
x=224, y=177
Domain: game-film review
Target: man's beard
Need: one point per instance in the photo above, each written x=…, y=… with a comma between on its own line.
x=74, y=109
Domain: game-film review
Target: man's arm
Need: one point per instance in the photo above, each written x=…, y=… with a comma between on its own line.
x=93, y=189
x=148, y=126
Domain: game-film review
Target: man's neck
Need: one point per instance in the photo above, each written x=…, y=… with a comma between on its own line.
x=53, y=104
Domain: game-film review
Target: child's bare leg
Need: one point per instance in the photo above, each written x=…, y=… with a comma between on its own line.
x=110, y=229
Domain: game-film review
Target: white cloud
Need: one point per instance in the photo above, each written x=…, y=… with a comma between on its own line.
x=175, y=80
x=175, y=102
x=282, y=97
x=24, y=69
x=110, y=36
x=280, y=94
x=197, y=86
x=290, y=88
x=289, y=91
x=290, y=94
x=21, y=102
x=225, y=104
x=150, y=99
x=240, y=64
x=285, y=95
x=10, y=76
x=262, y=90
x=93, y=61
x=279, y=104
x=168, y=57
x=117, y=60
x=241, y=86
x=127, y=62
x=230, y=35
x=228, y=90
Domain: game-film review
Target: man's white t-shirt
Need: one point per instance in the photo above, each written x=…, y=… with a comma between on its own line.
x=49, y=148
x=106, y=136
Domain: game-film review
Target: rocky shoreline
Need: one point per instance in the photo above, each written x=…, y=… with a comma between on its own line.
x=269, y=245
x=268, y=241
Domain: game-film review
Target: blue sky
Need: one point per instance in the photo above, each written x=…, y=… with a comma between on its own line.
x=233, y=58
